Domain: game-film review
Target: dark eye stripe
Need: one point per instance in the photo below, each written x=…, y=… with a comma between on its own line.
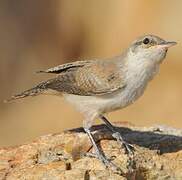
x=139, y=43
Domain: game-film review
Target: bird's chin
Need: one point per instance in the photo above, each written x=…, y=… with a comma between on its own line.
x=162, y=55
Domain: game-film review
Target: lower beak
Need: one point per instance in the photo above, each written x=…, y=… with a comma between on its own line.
x=167, y=44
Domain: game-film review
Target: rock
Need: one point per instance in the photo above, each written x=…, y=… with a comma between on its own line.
x=158, y=155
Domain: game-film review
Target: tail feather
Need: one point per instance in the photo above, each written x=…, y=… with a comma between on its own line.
x=30, y=92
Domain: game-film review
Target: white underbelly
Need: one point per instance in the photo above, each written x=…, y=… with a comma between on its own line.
x=106, y=103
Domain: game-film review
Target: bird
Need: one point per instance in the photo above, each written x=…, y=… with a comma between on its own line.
x=97, y=87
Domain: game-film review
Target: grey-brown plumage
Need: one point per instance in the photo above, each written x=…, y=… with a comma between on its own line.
x=31, y=92
x=84, y=78
x=65, y=67
x=96, y=87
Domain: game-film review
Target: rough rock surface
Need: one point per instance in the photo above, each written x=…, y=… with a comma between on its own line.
x=158, y=155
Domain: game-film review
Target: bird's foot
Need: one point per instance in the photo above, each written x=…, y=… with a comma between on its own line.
x=129, y=149
x=107, y=162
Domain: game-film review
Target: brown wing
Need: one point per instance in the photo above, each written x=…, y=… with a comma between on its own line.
x=65, y=67
x=93, y=79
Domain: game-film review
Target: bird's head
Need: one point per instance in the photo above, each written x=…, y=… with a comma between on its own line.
x=150, y=48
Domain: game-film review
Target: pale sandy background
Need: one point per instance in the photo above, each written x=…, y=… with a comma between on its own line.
x=39, y=34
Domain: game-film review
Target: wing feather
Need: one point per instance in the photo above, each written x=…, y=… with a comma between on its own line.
x=91, y=79
x=65, y=67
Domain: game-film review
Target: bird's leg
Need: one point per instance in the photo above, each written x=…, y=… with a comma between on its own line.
x=128, y=147
x=99, y=154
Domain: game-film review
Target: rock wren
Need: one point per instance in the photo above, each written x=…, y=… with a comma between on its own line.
x=96, y=87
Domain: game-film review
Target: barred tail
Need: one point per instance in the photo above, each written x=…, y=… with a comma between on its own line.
x=30, y=92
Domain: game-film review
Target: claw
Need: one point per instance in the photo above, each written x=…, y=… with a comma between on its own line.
x=128, y=147
x=107, y=162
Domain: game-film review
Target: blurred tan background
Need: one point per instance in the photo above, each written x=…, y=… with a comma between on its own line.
x=39, y=34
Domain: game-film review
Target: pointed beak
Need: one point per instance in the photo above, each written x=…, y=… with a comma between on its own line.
x=166, y=44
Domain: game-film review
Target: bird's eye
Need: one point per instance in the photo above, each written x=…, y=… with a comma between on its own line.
x=146, y=41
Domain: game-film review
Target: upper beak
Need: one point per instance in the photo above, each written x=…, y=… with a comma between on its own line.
x=167, y=44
